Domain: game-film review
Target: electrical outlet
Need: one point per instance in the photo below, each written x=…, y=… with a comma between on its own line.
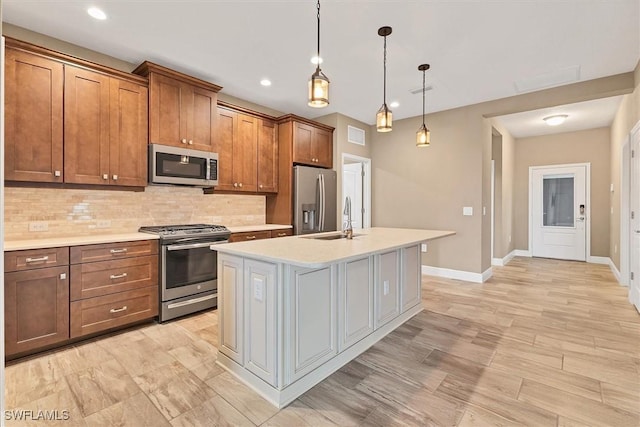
x=38, y=226
x=385, y=287
x=104, y=223
x=257, y=289
x=467, y=211
x=424, y=247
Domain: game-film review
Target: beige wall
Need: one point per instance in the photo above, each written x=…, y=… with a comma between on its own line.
x=626, y=118
x=504, y=242
x=589, y=146
x=78, y=212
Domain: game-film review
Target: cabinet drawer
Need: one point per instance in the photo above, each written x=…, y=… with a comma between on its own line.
x=107, y=277
x=101, y=313
x=109, y=251
x=245, y=237
x=35, y=258
x=282, y=232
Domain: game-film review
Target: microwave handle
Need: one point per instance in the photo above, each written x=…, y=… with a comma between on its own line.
x=208, y=169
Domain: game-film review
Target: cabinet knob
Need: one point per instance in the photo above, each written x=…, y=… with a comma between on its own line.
x=115, y=177
x=240, y=185
x=56, y=173
x=105, y=176
x=235, y=184
x=191, y=142
x=183, y=140
x=251, y=237
x=260, y=186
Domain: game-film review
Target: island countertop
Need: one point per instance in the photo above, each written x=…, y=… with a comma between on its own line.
x=307, y=251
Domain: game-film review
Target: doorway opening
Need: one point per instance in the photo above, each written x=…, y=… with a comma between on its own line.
x=559, y=211
x=356, y=183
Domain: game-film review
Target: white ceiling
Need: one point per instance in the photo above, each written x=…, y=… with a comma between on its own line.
x=479, y=50
x=582, y=115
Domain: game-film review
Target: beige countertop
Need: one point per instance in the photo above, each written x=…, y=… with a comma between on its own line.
x=56, y=242
x=261, y=227
x=315, y=253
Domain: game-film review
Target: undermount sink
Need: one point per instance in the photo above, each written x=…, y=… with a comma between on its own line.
x=329, y=236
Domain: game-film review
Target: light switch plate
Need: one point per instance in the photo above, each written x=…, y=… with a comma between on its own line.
x=467, y=211
x=385, y=289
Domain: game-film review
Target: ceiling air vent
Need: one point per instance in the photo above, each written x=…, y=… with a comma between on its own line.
x=355, y=135
x=419, y=90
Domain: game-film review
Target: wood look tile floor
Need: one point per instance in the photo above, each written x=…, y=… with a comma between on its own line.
x=542, y=343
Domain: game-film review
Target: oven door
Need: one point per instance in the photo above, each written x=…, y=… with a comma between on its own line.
x=188, y=268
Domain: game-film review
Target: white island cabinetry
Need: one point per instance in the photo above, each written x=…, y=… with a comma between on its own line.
x=294, y=311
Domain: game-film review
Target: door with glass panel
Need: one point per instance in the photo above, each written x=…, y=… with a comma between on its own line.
x=558, y=212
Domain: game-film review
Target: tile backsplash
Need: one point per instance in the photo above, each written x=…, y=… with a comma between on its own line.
x=85, y=212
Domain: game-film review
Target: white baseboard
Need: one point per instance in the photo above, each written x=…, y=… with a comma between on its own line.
x=523, y=252
x=486, y=275
x=505, y=260
x=448, y=273
x=599, y=260
x=616, y=273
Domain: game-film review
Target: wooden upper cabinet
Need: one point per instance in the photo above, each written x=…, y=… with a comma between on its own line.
x=267, y=156
x=247, y=151
x=182, y=109
x=128, y=133
x=312, y=145
x=86, y=126
x=33, y=117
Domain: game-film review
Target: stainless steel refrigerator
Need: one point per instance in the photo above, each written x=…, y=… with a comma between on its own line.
x=314, y=200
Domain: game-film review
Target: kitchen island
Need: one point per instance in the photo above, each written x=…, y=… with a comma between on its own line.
x=294, y=310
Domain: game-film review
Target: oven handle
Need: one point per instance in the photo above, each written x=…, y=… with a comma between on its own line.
x=194, y=245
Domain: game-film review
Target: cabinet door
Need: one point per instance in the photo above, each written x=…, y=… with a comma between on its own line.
x=36, y=306
x=355, y=302
x=86, y=126
x=302, y=140
x=230, y=306
x=260, y=280
x=245, y=153
x=267, y=156
x=167, y=118
x=411, y=290
x=201, y=117
x=128, y=134
x=387, y=292
x=33, y=118
x=224, y=146
x=311, y=312
x=249, y=235
x=322, y=148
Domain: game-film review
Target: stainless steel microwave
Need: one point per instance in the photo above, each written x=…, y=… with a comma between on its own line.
x=182, y=166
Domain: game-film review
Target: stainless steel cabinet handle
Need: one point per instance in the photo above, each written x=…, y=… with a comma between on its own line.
x=117, y=276
x=115, y=177
x=191, y=142
x=260, y=186
x=56, y=173
x=282, y=234
x=183, y=140
x=105, y=176
x=251, y=237
x=235, y=184
x=117, y=310
x=240, y=185
x=118, y=251
x=42, y=258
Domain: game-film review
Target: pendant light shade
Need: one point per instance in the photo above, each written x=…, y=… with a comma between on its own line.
x=318, y=83
x=384, y=117
x=423, y=136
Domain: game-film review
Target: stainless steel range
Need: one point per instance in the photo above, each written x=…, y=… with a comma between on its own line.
x=188, y=267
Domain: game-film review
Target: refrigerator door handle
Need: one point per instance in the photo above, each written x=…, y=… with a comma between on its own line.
x=324, y=202
x=321, y=203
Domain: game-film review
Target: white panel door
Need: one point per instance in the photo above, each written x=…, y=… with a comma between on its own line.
x=352, y=187
x=355, y=301
x=558, y=212
x=634, y=253
x=230, y=306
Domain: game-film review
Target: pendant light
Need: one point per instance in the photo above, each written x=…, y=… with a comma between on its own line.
x=384, y=116
x=423, y=136
x=318, y=83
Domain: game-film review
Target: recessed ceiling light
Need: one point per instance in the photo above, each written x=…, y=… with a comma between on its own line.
x=556, y=120
x=316, y=60
x=394, y=104
x=96, y=13
x=265, y=82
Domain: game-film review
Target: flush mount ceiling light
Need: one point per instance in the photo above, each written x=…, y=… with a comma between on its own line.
x=265, y=82
x=423, y=136
x=384, y=116
x=96, y=13
x=556, y=120
x=318, y=83
x=394, y=104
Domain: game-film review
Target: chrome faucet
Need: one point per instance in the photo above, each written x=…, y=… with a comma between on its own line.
x=348, y=226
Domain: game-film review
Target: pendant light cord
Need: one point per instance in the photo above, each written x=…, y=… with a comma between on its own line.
x=384, y=80
x=318, y=57
x=423, y=92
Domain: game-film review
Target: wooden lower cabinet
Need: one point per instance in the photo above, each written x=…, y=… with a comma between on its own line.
x=97, y=314
x=283, y=232
x=252, y=235
x=36, y=308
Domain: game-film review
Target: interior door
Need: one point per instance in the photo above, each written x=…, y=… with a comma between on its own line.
x=558, y=212
x=634, y=253
x=352, y=187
